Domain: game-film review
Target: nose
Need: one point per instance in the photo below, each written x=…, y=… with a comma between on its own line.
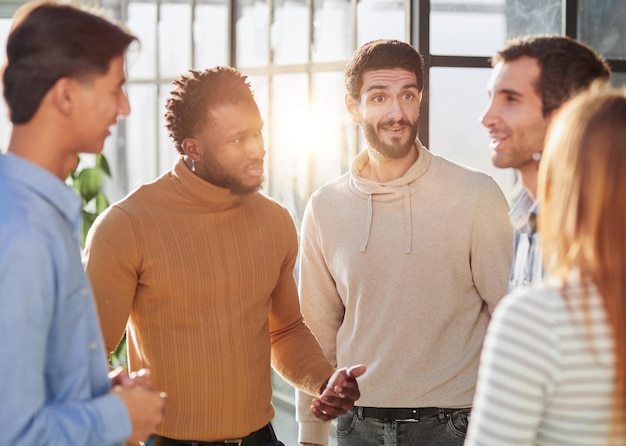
x=395, y=110
x=488, y=118
x=256, y=147
x=123, y=108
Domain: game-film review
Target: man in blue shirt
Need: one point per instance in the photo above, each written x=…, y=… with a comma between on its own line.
x=63, y=85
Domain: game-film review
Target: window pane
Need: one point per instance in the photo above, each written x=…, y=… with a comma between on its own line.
x=533, y=17
x=174, y=45
x=458, y=97
x=603, y=26
x=142, y=19
x=211, y=35
x=380, y=19
x=619, y=80
x=290, y=32
x=467, y=28
x=5, y=124
x=252, y=29
x=332, y=32
x=331, y=133
x=288, y=149
x=167, y=153
x=141, y=135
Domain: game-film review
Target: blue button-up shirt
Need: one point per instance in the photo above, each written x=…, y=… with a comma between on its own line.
x=527, y=266
x=53, y=379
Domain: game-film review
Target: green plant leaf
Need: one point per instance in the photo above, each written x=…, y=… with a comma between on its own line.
x=103, y=164
x=88, y=219
x=101, y=202
x=89, y=183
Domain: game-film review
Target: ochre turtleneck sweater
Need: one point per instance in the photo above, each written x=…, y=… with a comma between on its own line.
x=205, y=280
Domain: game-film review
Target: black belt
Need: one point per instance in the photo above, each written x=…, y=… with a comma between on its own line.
x=257, y=438
x=400, y=413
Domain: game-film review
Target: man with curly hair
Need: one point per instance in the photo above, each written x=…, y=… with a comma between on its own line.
x=198, y=266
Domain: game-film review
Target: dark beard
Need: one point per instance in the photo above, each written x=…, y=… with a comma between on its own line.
x=396, y=150
x=215, y=174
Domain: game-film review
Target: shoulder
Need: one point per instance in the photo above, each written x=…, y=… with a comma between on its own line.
x=538, y=305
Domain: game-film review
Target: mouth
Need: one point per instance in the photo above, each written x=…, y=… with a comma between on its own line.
x=255, y=170
x=496, y=140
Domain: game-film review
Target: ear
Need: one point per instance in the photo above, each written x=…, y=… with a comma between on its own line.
x=190, y=147
x=64, y=95
x=353, y=109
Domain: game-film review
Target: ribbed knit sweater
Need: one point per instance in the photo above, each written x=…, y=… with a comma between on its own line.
x=403, y=277
x=205, y=280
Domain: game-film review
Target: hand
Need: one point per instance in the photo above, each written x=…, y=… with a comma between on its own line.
x=120, y=377
x=146, y=408
x=339, y=395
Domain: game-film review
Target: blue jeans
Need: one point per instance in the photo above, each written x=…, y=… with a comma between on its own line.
x=442, y=430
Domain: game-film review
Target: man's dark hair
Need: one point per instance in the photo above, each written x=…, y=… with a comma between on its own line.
x=567, y=66
x=196, y=93
x=54, y=41
x=381, y=55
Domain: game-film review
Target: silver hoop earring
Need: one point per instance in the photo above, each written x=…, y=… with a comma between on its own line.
x=193, y=165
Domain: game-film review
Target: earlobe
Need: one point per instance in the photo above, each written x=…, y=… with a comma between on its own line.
x=190, y=147
x=353, y=109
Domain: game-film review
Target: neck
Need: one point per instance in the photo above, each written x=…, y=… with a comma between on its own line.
x=43, y=149
x=383, y=170
x=529, y=180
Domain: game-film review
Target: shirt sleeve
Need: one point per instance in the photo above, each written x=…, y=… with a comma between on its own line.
x=492, y=248
x=296, y=355
x=113, y=276
x=38, y=405
x=515, y=379
x=323, y=311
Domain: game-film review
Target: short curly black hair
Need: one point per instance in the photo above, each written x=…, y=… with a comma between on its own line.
x=196, y=93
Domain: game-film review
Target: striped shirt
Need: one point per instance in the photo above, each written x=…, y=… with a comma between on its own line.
x=543, y=378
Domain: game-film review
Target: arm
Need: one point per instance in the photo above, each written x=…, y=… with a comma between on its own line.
x=112, y=263
x=492, y=251
x=518, y=363
x=35, y=407
x=323, y=311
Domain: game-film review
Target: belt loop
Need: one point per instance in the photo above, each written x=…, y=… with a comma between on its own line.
x=442, y=415
x=359, y=413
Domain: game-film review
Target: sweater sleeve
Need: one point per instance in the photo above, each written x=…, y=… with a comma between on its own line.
x=113, y=275
x=492, y=250
x=323, y=311
x=517, y=367
x=296, y=355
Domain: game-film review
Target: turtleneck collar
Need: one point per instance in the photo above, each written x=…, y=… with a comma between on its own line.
x=398, y=189
x=201, y=192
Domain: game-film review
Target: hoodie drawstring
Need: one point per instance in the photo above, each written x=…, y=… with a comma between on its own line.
x=368, y=224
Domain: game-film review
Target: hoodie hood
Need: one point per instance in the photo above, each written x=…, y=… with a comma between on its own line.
x=395, y=190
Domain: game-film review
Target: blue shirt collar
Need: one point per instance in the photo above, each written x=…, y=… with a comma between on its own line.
x=61, y=196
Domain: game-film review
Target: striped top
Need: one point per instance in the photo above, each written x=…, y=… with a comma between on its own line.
x=544, y=378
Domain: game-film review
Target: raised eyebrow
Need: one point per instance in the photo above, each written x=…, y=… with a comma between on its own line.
x=386, y=87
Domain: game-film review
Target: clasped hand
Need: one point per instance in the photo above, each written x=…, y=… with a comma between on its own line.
x=340, y=393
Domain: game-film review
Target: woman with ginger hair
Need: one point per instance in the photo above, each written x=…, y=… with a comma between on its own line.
x=553, y=366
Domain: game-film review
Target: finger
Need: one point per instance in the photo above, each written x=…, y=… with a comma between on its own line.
x=356, y=370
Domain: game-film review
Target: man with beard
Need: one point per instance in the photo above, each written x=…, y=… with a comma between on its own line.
x=198, y=266
x=403, y=260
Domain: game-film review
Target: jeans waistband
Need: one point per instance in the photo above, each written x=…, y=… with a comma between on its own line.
x=257, y=438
